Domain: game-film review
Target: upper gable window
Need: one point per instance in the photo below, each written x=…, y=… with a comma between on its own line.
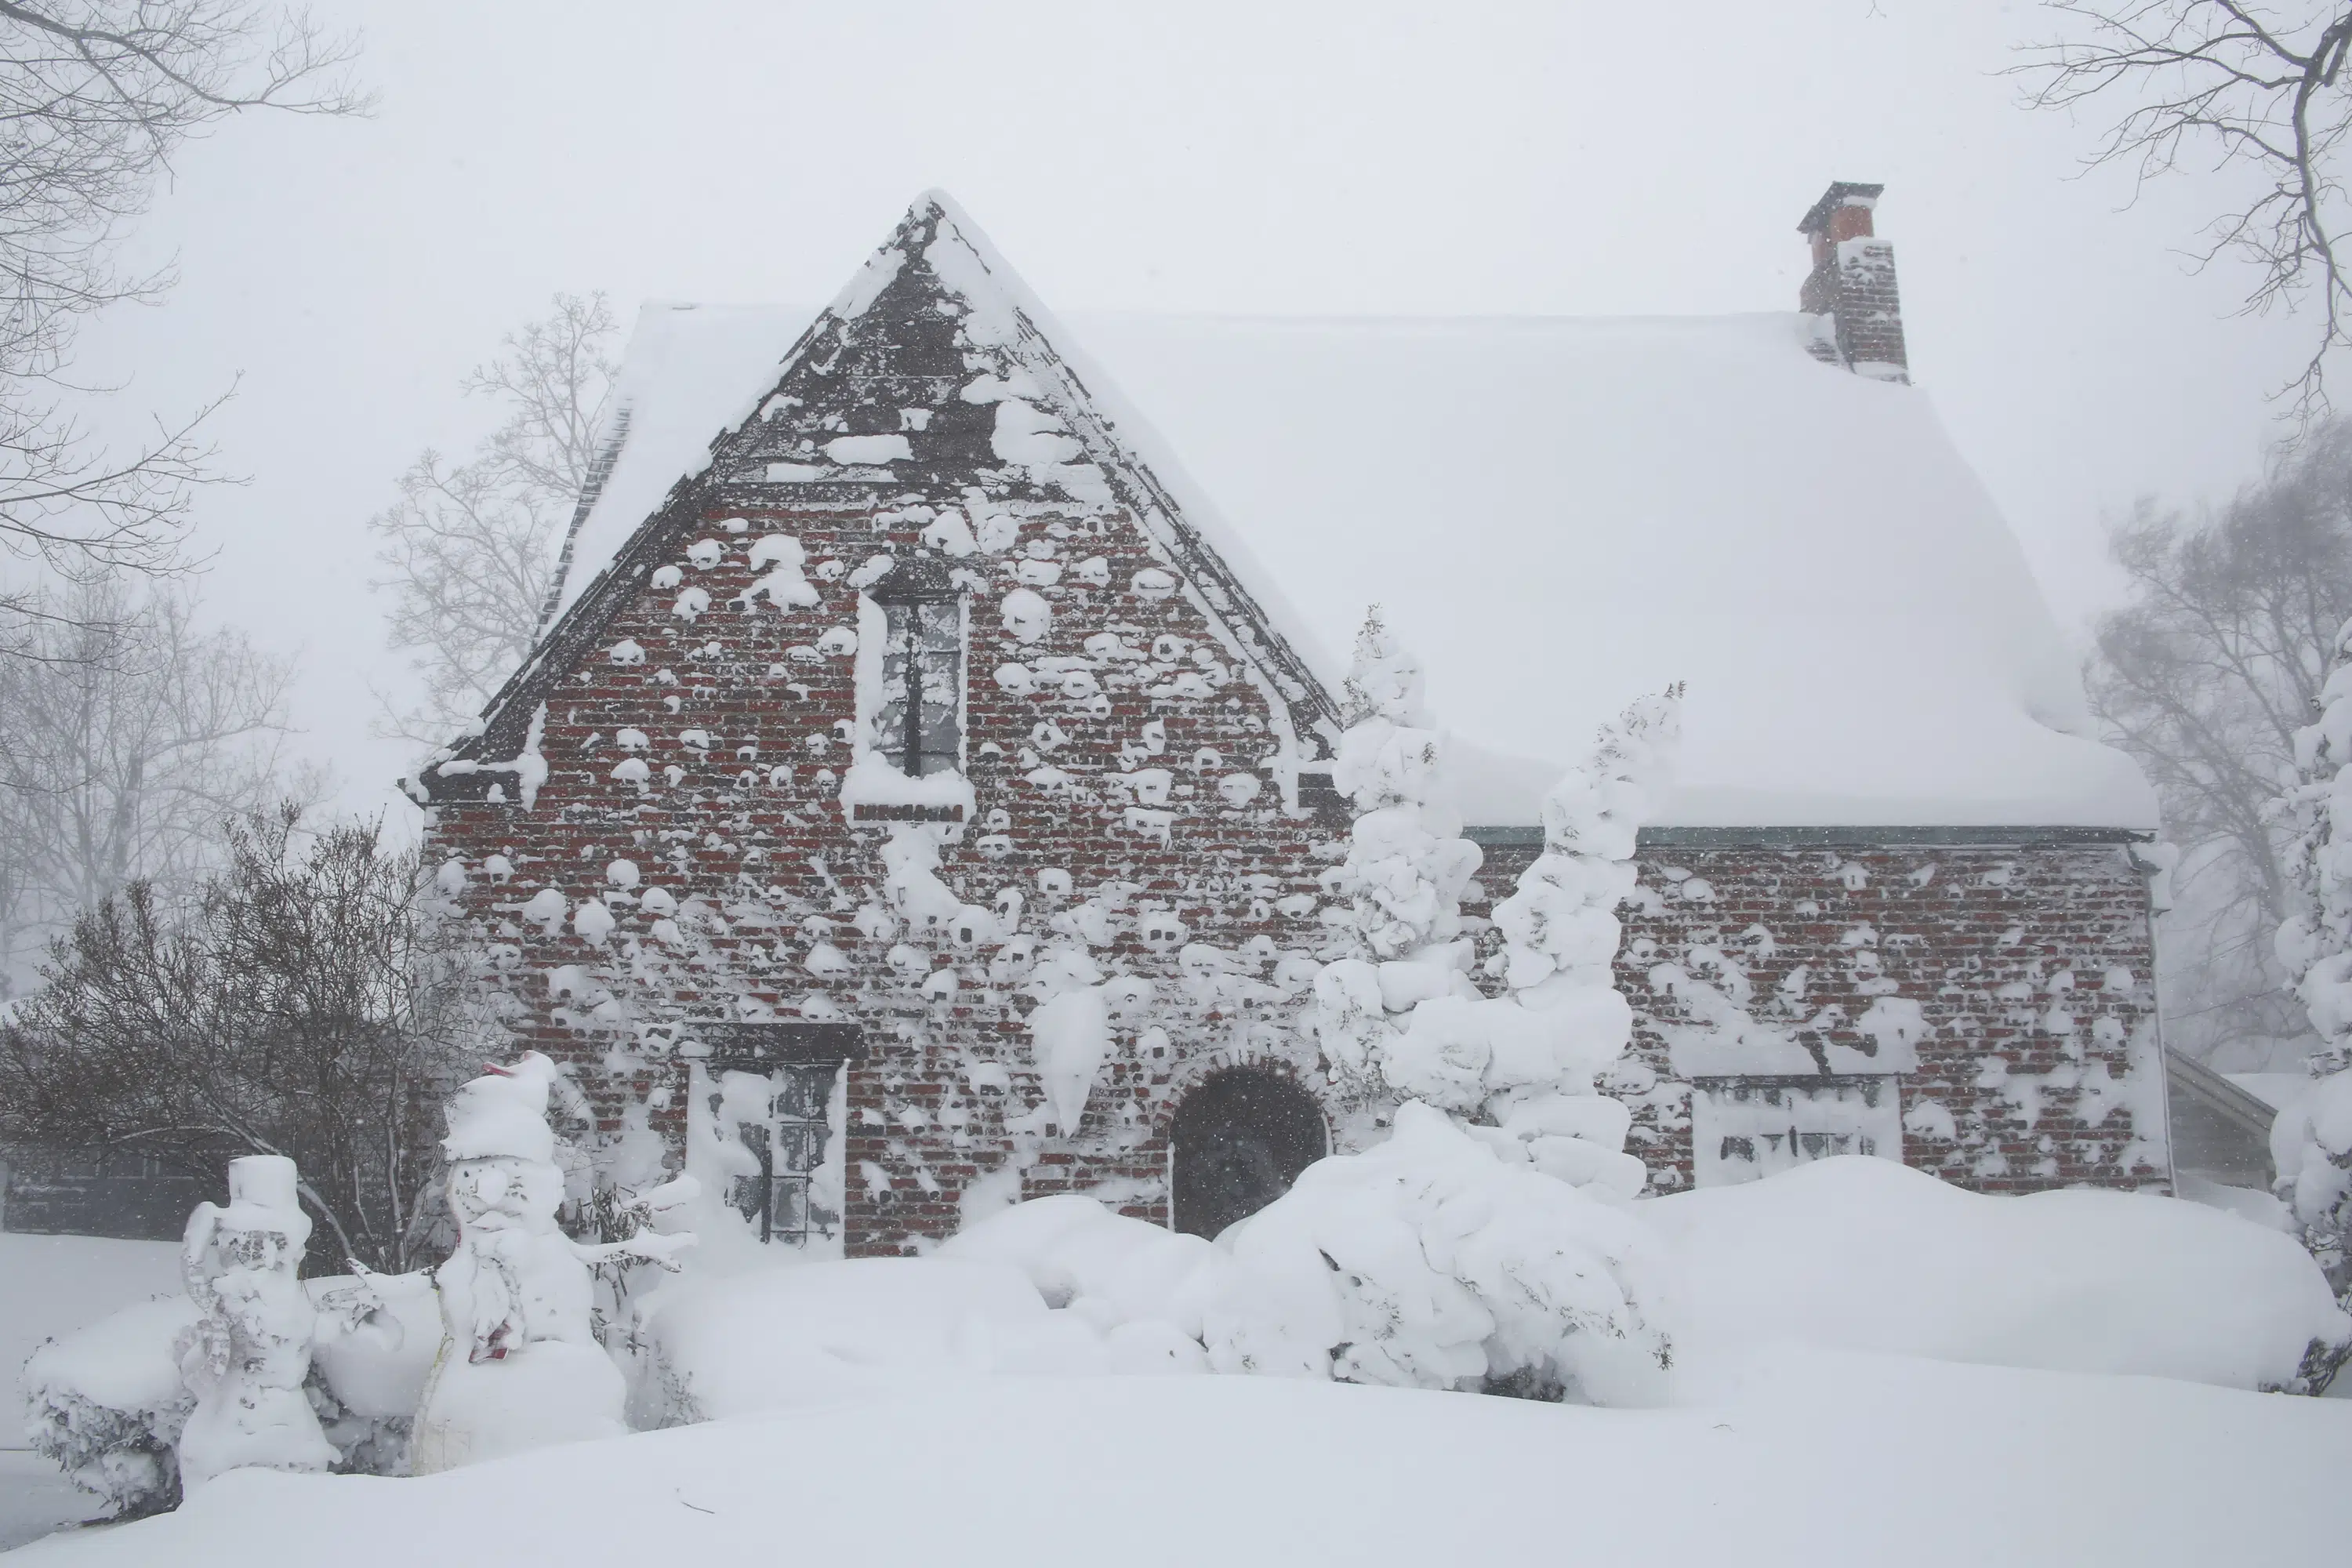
x=918, y=718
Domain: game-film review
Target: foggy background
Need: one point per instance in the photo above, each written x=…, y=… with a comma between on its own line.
x=1324, y=159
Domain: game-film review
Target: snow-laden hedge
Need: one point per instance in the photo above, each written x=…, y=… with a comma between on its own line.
x=107, y=1405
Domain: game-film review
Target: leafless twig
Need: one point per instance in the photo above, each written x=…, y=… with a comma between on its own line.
x=2229, y=84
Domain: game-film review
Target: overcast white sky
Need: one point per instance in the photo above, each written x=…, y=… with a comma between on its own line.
x=1572, y=158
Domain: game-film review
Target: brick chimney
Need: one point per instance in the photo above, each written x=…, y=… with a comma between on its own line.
x=1852, y=287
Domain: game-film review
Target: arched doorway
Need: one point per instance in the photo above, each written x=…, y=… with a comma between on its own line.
x=1239, y=1140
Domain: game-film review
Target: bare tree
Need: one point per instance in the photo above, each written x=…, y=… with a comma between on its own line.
x=2204, y=676
x=96, y=96
x=475, y=551
x=131, y=738
x=2230, y=83
x=305, y=1002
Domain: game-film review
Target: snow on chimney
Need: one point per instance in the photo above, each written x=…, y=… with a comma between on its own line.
x=1852, y=287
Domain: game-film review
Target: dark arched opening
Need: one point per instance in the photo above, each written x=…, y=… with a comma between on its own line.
x=1239, y=1139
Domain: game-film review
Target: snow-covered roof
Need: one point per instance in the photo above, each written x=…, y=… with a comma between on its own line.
x=1560, y=515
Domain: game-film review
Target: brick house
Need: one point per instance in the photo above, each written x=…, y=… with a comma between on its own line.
x=898, y=655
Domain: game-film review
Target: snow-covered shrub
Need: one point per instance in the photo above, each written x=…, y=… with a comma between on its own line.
x=377, y=1335
x=798, y=1334
x=1858, y=1254
x=108, y=1405
x=1430, y=1262
x=2310, y=1150
x=1122, y=1275
x=2311, y=1144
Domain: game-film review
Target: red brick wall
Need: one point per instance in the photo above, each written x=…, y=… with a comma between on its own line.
x=2032, y=965
x=778, y=867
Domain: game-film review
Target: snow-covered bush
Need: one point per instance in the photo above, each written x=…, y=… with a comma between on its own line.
x=803, y=1333
x=1430, y=1262
x=108, y=1405
x=1861, y=1254
x=2310, y=1142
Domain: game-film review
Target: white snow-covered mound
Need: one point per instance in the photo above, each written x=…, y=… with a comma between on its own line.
x=1850, y=1254
x=821, y=1332
x=1867, y=1255
x=1825, y=1459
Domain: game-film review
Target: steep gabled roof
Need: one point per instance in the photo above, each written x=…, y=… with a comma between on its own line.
x=1559, y=514
x=934, y=370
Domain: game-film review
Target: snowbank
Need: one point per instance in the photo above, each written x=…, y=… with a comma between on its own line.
x=1867, y=1255
x=1825, y=1460
x=819, y=1334
x=1427, y=1262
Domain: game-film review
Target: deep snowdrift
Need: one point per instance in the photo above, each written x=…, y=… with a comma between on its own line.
x=1822, y=1461
x=1848, y=1255
x=1867, y=1255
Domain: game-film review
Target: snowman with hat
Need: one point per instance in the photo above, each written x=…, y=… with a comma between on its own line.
x=519, y=1366
x=247, y=1356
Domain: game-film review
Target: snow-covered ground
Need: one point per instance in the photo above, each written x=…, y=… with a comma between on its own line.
x=35, y=1498
x=52, y=1285
x=1870, y=1367
x=1820, y=1459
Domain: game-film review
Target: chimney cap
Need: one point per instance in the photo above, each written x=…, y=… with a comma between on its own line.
x=1841, y=194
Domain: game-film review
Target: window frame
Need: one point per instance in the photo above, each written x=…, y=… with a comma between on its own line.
x=901, y=597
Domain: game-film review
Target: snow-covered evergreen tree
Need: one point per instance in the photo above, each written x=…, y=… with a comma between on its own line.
x=1406, y=867
x=1497, y=1110
x=1561, y=935
x=2311, y=1141
x=1401, y=1016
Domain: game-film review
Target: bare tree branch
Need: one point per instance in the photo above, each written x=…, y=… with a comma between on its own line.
x=132, y=739
x=2205, y=676
x=96, y=97
x=2221, y=82
x=471, y=550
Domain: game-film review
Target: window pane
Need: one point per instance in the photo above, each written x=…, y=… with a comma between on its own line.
x=790, y=1211
x=800, y=1146
x=802, y=1092
x=941, y=625
x=926, y=640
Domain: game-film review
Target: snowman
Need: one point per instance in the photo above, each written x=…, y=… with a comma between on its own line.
x=519, y=1366
x=247, y=1357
